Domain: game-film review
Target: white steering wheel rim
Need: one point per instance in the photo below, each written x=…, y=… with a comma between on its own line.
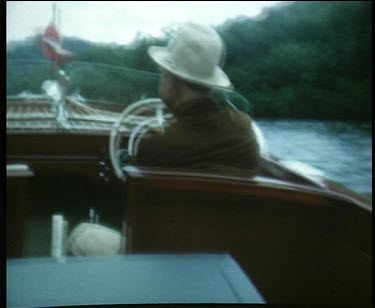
x=141, y=122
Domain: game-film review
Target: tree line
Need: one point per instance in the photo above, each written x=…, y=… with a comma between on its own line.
x=299, y=60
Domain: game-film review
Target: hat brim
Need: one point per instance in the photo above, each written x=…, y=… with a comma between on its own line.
x=161, y=56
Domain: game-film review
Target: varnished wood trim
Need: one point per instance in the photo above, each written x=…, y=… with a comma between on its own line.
x=255, y=191
x=243, y=185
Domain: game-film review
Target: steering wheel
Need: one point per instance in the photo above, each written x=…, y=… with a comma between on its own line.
x=131, y=120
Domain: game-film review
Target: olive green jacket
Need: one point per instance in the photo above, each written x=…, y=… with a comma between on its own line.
x=204, y=136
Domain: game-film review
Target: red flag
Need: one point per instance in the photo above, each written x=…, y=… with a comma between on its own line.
x=52, y=48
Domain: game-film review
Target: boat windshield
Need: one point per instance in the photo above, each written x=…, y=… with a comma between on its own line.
x=93, y=82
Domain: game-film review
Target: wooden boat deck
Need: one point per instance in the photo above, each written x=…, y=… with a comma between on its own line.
x=41, y=115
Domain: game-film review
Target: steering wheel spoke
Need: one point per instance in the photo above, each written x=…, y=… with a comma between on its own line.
x=137, y=119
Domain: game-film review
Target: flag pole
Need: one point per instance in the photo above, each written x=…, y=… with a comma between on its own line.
x=54, y=58
x=62, y=80
x=61, y=113
x=59, y=25
x=54, y=13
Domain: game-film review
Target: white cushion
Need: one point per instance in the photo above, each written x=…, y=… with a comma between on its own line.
x=88, y=239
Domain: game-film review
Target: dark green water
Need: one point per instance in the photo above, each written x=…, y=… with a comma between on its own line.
x=342, y=150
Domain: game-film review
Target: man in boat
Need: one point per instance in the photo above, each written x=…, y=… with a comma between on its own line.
x=206, y=135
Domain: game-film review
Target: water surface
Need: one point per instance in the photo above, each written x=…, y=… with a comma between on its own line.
x=342, y=150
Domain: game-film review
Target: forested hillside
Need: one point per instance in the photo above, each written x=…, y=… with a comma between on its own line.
x=301, y=60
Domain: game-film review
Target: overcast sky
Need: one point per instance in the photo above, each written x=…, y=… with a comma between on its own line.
x=119, y=21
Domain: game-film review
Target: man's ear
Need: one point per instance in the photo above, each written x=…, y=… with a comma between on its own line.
x=172, y=80
x=173, y=84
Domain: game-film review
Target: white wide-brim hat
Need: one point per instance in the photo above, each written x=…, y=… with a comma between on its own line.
x=194, y=55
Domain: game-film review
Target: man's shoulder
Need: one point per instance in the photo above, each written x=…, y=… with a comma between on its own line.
x=237, y=116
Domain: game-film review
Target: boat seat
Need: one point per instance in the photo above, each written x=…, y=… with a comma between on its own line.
x=295, y=247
